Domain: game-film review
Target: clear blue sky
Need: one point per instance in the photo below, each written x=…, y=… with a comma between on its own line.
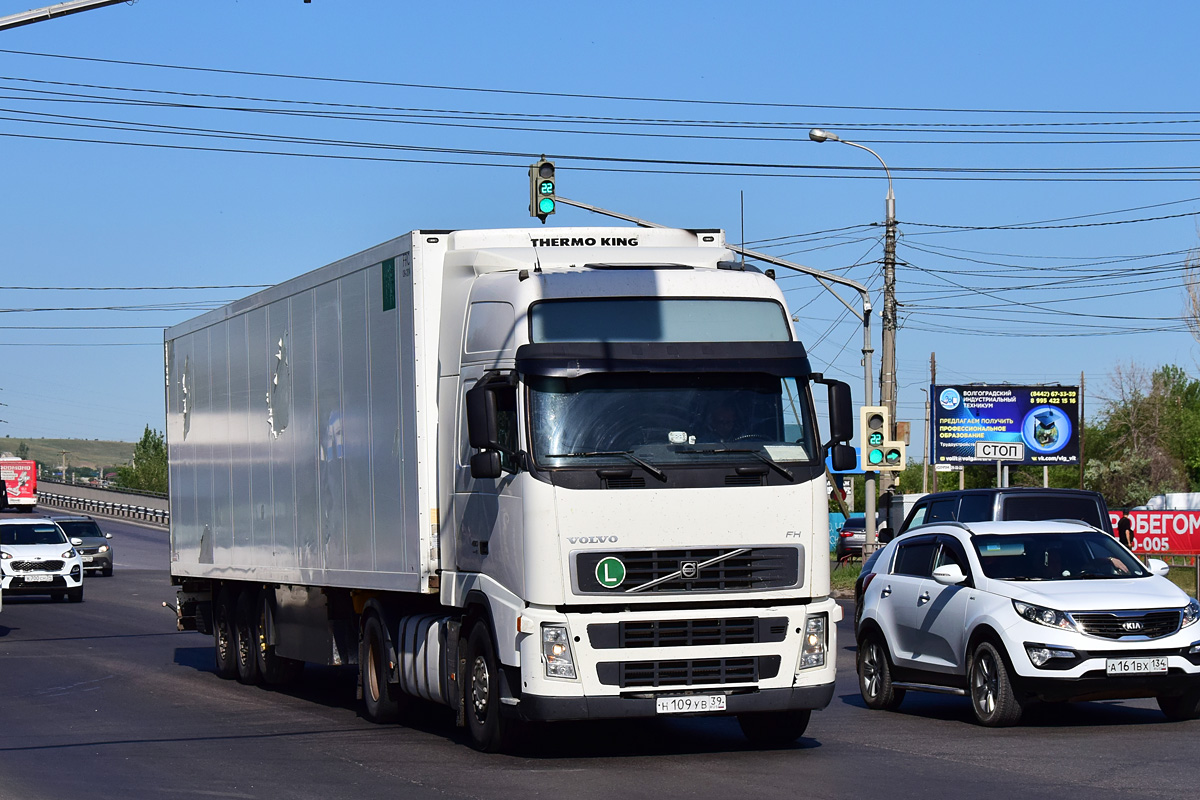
x=1024, y=90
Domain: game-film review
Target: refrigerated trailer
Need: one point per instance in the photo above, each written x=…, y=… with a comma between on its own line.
x=533, y=475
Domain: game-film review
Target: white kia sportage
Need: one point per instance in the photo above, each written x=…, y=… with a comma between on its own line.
x=1011, y=612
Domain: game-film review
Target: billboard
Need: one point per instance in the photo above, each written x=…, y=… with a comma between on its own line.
x=978, y=423
x=1163, y=532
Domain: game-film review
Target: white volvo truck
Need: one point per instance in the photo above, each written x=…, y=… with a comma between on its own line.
x=534, y=475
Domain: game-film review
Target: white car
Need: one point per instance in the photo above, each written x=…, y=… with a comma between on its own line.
x=1011, y=612
x=37, y=558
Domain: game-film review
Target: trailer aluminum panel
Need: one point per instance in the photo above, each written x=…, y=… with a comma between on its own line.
x=296, y=422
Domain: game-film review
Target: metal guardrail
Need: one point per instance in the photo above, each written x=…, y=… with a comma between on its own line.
x=154, y=516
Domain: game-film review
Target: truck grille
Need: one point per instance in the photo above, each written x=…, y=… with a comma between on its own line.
x=690, y=672
x=37, y=566
x=687, y=632
x=728, y=569
x=1118, y=625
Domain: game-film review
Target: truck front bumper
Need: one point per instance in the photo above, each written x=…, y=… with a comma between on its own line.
x=535, y=708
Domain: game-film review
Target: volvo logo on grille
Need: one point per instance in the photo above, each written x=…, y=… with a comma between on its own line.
x=689, y=569
x=1132, y=627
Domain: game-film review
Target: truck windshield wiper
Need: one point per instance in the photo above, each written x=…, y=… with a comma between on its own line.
x=626, y=454
x=782, y=470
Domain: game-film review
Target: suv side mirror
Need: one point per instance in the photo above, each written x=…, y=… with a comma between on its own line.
x=949, y=575
x=108, y=536
x=75, y=540
x=841, y=414
x=1158, y=567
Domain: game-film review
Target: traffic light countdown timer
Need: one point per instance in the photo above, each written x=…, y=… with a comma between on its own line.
x=541, y=190
x=878, y=454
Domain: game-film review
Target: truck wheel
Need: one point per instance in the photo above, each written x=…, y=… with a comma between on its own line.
x=875, y=675
x=774, y=729
x=245, y=643
x=383, y=701
x=992, y=697
x=274, y=669
x=1181, y=707
x=75, y=595
x=490, y=732
x=223, y=643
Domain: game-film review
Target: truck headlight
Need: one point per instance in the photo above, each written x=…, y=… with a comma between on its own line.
x=1044, y=616
x=812, y=650
x=1191, y=613
x=556, y=652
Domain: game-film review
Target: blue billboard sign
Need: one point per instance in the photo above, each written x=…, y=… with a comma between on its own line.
x=1040, y=423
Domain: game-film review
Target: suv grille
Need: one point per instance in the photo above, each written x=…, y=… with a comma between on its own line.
x=732, y=570
x=653, y=674
x=1118, y=625
x=687, y=632
x=37, y=566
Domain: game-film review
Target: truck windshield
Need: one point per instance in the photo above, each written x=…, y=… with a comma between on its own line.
x=669, y=419
x=1055, y=557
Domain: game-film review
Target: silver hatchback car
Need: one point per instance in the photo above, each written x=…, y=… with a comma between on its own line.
x=90, y=541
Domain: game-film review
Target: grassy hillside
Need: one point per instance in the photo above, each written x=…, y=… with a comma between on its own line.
x=80, y=452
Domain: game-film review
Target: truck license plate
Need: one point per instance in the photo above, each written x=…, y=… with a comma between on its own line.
x=1136, y=666
x=38, y=578
x=691, y=704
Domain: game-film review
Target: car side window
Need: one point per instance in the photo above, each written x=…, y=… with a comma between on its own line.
x=951, y=553
x=942, y=510
x=915, y=558
x=918, y=517
x=976, y=508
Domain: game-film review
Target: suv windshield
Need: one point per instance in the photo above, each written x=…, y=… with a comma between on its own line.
x=1055, y=557
x=31, y=534
x=669, y=419
x=83, y=528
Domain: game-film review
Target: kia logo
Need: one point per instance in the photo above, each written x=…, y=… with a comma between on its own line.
x=1132, y=626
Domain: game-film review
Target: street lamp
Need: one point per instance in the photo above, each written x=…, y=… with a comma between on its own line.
x=887, y=372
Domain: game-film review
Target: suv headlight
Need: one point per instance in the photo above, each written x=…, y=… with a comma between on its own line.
x=556, y=652
x=1191, y=613
x=69, y=554
x=1044, y=616
x=5, y=554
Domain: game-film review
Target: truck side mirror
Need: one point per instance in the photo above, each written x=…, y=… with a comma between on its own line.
x=841, y=415
x=482, y=419
x=843, y=457
x=485, y=464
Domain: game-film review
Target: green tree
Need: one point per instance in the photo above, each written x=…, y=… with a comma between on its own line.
x=22, y=451
x=148, y=470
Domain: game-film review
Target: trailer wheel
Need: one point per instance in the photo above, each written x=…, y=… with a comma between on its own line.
x=223, y=643
x=274, y=669
x=490, y=732
x=383, y=701
x=244, y=640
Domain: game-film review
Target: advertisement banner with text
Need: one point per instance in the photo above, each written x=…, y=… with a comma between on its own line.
x=982, y=424
x=1166, y=532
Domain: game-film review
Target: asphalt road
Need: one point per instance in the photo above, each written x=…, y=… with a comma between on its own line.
x=105, y=699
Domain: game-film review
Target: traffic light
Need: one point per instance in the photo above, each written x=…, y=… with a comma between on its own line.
x=541, y=190
x=879, y=453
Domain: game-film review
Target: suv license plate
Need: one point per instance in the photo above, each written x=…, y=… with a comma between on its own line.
x=1136, y=666
x=39, y=578
x=87, y=559
x=690, y=704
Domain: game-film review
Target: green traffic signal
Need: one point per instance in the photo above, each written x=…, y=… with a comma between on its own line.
x=892, y=457
x=546, y=205
x=875, y=456
x=875, y=439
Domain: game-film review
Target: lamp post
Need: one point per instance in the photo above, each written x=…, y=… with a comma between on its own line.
x=887, y=372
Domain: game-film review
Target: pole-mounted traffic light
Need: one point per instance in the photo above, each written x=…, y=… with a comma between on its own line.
x=879, y=454
x=541, y=190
